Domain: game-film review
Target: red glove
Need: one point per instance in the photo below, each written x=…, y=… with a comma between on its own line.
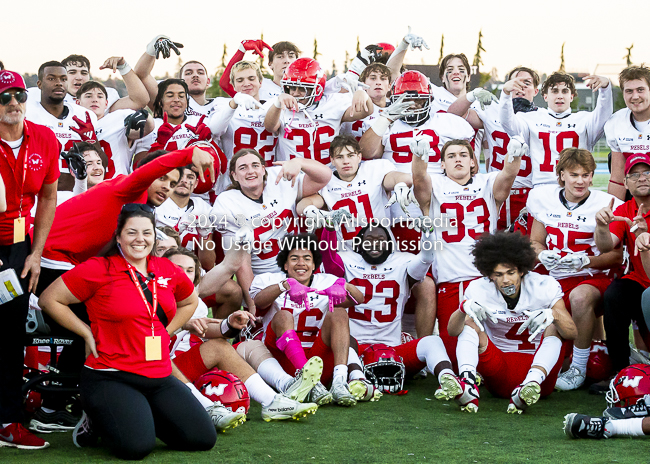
x=202, y=131
x=86, y=130
x=165, y=132
x=255, y=46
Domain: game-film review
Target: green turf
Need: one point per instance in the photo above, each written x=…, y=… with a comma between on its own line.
x=600, y=181
x=411, y=428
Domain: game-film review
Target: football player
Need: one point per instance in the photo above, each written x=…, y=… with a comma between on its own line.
x=478, y=107
x=563, y=238
x=628, y=130
x=550, y=130
x=583, y=426
x=495, y=313
x=307, y=118
x=305, y=311
x=467, y=205
x=196, y=77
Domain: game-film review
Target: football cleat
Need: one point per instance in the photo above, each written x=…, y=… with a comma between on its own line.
x=224, y=419
x=524, y=396
x=468, y=401
x=83, y=435
x=305, y=380
x=582, y=426
x=450, y=387
x=636, y=357
x=319, y=395
x=572, y=379
x=15, y=435
x=341, y=394
x=640, y=409
x=57, y=421
x=284, y=408
x=364, y=390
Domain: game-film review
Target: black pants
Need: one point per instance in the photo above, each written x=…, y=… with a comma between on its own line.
x=129, y=411
x=13, y=316
x=622, y=304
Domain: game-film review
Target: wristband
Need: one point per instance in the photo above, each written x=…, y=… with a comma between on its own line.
x=381, y=125
x=281, y=285
x=124, y=68
x=617, y=183
x=276, y=102
x=227, y=330
x=470, y=97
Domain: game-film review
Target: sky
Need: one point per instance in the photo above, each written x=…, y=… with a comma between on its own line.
x=514, y=33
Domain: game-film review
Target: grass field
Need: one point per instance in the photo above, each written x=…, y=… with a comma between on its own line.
x=404, y=429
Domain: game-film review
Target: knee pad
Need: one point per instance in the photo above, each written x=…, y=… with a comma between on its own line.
x=254, y=352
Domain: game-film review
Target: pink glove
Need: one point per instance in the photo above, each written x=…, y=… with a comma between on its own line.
x=336, y=293
x=298, y=292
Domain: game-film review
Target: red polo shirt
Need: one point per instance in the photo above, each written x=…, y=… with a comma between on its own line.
x=119, y=319
x=629, y=209
x=85, y=223
x=40, y=149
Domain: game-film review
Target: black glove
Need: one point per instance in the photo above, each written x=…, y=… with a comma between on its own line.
x=136, y=121
x=370, y=54
x=165, y=46
x=76, y=163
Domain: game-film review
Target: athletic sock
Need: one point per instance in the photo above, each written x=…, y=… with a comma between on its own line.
x=467, y=350
x=290, y=345
x=353, y=360
x=271, y=371
x=356, y=375
x=627, y=427
x=431, y=350
x=204, y=400
x=340, y=370
x=259, y=390
x=580, y=359
x=545, y=358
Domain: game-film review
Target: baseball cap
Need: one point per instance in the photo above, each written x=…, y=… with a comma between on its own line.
x=636, y=159
x=11, y=80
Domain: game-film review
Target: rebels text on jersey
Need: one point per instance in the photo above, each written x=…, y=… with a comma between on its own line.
x=179, y=140
x=364, y=196
x=568, y=231
x=271, y=219
x=306, y=322
x=310, y=136
x=623, y=136
x=473, y=209
x=169, y=213
x=537, y=292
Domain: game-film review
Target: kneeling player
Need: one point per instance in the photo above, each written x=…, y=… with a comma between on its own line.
x=493, y=316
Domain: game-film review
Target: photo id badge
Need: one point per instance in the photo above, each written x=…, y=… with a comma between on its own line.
x=19, y=230
x=152, y=349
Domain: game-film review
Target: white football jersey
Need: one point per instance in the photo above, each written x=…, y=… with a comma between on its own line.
x=178, y=141
x=310, y=136
x=497, y=140
x=306, y=323
x=169, y=213
x=364, y=197
x=537, y=292
x=271, y=219
x=442, y=99
x=112, y=97
x=182, y=342
x=357, y=128
x=624, y=137
x=269, y=89
x=475, y=211
x=568, y=231
x=378, y=319
x=35, y=112
x=547, y=134
x=194, y=109
x=111, y=134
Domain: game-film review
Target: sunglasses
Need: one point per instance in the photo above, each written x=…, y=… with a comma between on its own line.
x=131, y=207
x=5, y=97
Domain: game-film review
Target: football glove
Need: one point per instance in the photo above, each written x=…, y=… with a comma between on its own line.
x=255, y=46
x=337, y=218
x=420, y=147
x=398, y=109
x=200, y=131
x=404, y=196
x=477, y=312
x=538, y=320
x=412, y=40
x=190, y=221
x=298, y=292
x=364, y=57
x=348, y=81
x=86, y=130
x=163, y=44
x=76, y=163
x=315, y=217
x=136, y=121
x=573, y=262
x=483, y=96
x=246, y=101
x=550, y=259
x=165, y=132
x=517, y=147
x=336, y=293
x=244, y=238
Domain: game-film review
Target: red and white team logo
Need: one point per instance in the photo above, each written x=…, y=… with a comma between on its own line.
x=6, y=77
x=35, y=161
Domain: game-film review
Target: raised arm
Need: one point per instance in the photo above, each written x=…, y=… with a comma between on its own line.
x=419, y=146
x=604, y=107
x=506, y=177
x=317, y=175
x=512, y=124
x=256, y=46
x=397, y=57
x=137, y=95
x=461, y=107
x=161, y=44
x=605, y=239
x=395, y=177
x=314, y=200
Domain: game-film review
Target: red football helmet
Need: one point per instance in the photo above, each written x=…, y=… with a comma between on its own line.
x=629, y=386
x=220, y=164
x=387, y=48
x=305, y=73
x=225, y=388
x=599, y=366
x=417, y=87
x=384, y=368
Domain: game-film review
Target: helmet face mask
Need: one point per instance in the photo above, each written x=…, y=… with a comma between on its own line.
x=384, y=368
x=630, y=385
x=308, y=91
x=416, y=87
x=305, y=74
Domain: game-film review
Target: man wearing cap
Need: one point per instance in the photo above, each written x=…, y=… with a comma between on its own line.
x=622, y=300
x=29, y=155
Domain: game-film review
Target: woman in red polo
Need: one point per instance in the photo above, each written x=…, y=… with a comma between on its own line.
x=134, y=301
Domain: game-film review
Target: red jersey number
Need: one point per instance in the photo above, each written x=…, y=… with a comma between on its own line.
x=254, y=139
x=560, y=144
x=478, y=206
x=351, y=205
x=368, y=294
x=399, y=143
x=525, y=167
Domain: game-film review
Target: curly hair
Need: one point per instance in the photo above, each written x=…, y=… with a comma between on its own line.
x=512, y=249
x=299, y=242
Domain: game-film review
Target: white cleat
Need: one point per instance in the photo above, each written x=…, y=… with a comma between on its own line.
x=450, y=387
x=364, y=390
x=223, y=418
x=572, y=379
x=319, y=395
x=284, y=408
x=524, y=396
x=341, y=394
x=305, y=379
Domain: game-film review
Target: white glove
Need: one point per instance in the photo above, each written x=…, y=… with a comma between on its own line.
x=337, y=217
x=246, y=101
x=420, y=147
x=573, y=262
x=477, y=312
x=244, y=238
x=550, y=259
x=349, y=81
x=365, y=56
x=190, y=221
x=517, y=147
x=483, y=96
x=150, y=47
x=398, y=109
x=403, y=195
x=415, y=41
x=538, y=320
x=316, y=217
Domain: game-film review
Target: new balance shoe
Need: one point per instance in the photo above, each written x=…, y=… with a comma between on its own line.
x=16, y=436
x=319, y=395
x=285, y=408
x=450, y=387
x=341, y=394
x=582, y=426
x=572, y=379
x=523, y=396
x=83, y=435
x=364, y=390
x=57, y=421
x=223, y=418
x=640, y=409
x=468, y=400
x=305, y=380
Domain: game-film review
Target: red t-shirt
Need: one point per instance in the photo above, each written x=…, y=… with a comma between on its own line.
x=41, y=148
x=629, y=209
x=119, y=319
x=86, y=222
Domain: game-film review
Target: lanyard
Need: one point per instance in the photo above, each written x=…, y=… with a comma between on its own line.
x=150, y=309
x=22, y=186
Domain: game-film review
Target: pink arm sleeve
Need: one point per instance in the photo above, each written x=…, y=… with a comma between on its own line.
x=332, y=262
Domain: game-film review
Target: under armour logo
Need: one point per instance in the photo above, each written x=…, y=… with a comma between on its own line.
x=362, y=182
x=582, y=218
x=570, y=125
x=388, y=269
x=318, y=116
x=647, y=137
x=313, y=298
x=274, y=202
x=442, y=290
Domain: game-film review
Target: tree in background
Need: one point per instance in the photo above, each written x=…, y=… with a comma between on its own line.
x=316, y=54
x=479, y=48
x=442, y=49
x=628, y=56
x=215, y=89
x=358, y=45
x=562, y=58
